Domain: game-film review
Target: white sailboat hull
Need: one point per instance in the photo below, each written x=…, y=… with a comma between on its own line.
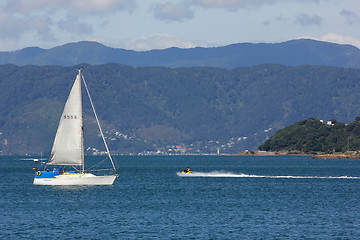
x=76, y=179
x=68, y=147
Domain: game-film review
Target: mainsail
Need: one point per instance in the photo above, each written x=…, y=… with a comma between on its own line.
x=68, y=148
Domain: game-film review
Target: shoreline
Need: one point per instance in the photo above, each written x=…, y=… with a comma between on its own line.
x=320, y=155
x=337, y=156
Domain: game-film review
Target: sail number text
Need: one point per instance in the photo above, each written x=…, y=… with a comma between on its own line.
x=70, y=117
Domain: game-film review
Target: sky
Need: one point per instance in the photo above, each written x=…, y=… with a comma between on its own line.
x=158, y=24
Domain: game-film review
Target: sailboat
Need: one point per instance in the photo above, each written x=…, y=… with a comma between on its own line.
x=68, y=147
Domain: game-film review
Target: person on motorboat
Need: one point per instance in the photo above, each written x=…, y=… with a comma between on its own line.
x=187, y=170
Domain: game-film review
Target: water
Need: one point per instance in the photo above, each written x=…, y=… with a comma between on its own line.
x=226, y=198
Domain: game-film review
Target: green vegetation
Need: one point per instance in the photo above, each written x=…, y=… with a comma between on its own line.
x=158, y=106
x=312, y=135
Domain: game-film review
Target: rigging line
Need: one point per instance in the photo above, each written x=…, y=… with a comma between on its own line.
x=97, y=120
x=98, y=164
x=75, y=168
x=101, y=170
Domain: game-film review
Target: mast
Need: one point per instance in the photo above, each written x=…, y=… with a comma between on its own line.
x=97, y=120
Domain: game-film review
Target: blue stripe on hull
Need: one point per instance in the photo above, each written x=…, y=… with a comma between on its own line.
x=44, y=174
x=40, y=174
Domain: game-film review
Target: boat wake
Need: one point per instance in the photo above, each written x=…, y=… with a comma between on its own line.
x=32, y=159
x=242, y=175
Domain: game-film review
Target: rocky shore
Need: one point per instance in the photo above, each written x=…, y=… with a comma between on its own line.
x=319, y=155
x=352, y=156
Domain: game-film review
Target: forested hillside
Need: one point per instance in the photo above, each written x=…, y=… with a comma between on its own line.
x=147, y=108
x=290, y=53
x=312, y=135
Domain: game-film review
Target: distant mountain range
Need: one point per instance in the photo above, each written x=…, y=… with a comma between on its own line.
x=290, y=53
x=172, y=109
x=230, y=98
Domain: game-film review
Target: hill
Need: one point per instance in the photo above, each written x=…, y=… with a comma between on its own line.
x=290, y=53
x=313, y=135
x=199, y=109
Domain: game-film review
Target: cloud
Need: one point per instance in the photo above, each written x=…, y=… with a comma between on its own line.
x=236, y=4
x=336, y=38
x=12, y=27
x=182, y=10
x=185, y=8
x=72, y=25
x=79, y=6
x=43, y=18
x=25, y=7
x=172, y=12
x=99, y=6
x=158, y=41
x=231, y=4
x=275, y=20
x=306, y=20
x=40, y=25
x=350, y=16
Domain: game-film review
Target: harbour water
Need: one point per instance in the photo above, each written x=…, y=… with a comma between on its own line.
x=225, y=198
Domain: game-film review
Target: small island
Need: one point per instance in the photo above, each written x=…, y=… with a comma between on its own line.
x=315, y=137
